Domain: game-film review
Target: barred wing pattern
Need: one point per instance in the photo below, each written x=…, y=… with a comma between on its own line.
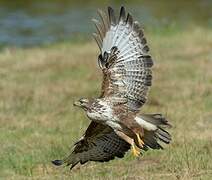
x=124, y=59
x=100, y=143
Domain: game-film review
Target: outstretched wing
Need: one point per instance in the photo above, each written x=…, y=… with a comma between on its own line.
x=100, y=143
x=124, y=59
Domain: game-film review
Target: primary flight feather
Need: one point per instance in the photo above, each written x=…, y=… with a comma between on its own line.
x=115, y=124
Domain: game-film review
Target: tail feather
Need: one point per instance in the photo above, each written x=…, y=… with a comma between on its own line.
x=150, y=141
x=163, y=135
x=151, y=137
x=156, y=119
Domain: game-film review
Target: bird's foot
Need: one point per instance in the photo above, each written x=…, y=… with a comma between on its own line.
x=135, y=150
x=140, y=141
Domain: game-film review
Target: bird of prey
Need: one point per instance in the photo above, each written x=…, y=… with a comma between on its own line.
x=116, y=125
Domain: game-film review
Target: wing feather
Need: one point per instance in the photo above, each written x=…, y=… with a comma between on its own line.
x=99, y=143
x=124, y=59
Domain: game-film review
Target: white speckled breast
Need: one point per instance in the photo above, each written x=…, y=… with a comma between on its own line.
x=100, y=111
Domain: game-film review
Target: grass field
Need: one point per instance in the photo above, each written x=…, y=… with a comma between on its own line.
x=38, y=122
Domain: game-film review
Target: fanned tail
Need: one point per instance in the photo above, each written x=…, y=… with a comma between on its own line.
x=153, y=125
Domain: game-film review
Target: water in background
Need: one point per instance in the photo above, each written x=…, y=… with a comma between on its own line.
x=30, y=22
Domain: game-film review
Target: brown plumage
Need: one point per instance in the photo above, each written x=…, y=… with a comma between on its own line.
x=115, y=124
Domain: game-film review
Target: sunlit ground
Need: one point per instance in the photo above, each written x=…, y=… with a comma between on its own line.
x=38, y=122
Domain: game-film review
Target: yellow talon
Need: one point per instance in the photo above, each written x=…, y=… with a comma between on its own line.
x=135, y=150
x=140, y=141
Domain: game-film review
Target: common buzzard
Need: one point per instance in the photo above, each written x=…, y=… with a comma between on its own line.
x=115, y=124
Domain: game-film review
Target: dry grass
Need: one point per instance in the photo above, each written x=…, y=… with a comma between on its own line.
x=38, y=122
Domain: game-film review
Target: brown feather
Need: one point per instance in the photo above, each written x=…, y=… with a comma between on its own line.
x=105, y=21
x=100, y=143
x=98, y=40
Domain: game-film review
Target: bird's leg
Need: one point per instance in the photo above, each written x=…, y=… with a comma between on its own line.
x=135, y=150
x=140, y=141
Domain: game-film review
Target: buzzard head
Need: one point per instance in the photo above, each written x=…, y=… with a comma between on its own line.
x=83, y=103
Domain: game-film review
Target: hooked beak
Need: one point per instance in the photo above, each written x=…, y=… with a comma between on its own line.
x=77, y=103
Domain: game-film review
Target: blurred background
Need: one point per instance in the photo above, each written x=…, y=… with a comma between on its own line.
x=29, y=22
x=48, y=60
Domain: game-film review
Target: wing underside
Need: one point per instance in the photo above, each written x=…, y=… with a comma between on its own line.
x=124, y=58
